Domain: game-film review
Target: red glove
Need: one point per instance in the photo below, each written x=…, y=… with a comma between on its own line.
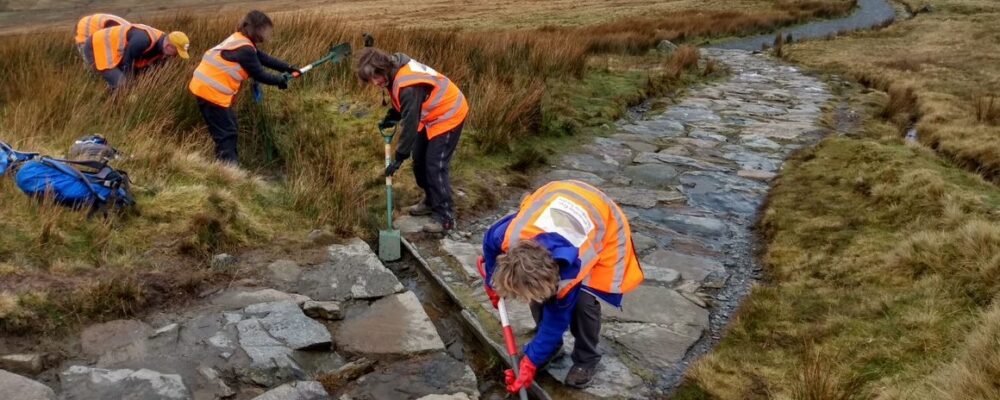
x=523, y=381
x=494, y=298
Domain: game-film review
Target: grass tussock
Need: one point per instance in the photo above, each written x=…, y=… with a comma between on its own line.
x=946, y=57
x=311, y=157
x=881, y=259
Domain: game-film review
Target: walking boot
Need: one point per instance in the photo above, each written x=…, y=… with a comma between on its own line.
x=419, y=209
x=579, y=377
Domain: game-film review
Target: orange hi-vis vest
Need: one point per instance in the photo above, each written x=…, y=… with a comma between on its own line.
x=591, y=221
x=216, y=79
x=93, y=23
x=109, y=45
x=443, y=110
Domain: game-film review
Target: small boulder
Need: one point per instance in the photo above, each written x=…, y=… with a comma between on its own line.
x=395, y=325
x=100, y=338
x=22, y=363
x=329, y=310
x=347, y=373
x=82, y=383
x=26, y=389
x=666, y=46
x=223, y=260
x=301, y=390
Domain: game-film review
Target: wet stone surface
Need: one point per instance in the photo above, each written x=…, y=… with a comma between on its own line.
x=691, y=180
x=265, y=343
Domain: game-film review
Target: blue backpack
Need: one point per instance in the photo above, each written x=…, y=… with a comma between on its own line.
x=76, y=184
x=10, y=158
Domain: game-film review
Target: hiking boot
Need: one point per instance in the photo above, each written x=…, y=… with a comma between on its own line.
x=579, y=377
x=419, y=209
x=438, y=227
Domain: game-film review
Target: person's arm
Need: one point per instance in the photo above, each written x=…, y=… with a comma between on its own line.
x=556, y=317
x=492, y=245
x=411, y=98
x=246, y=56
x=274, y=63
x=138, y=42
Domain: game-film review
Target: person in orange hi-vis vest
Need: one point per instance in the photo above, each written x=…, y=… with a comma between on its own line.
x=221, y=73
x=123, y=50
x=89, y=24
x=431, y=110
x=568, y=247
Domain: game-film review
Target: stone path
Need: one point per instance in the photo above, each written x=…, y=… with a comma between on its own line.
x=691, y=179
x=270, y=343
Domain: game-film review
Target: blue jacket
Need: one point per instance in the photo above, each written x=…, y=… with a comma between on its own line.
x=556, y=312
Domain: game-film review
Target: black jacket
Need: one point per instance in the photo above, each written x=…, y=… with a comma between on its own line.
x=253, y=61
x=411, y=99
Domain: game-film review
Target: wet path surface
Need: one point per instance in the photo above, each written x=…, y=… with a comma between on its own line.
x=869, y=13
x=691, y=179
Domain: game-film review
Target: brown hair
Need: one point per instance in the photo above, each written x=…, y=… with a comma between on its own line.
x=373, y=62
x=253, y=24
x=527, y=272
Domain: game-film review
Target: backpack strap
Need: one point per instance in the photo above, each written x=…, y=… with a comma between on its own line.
x=64, y=167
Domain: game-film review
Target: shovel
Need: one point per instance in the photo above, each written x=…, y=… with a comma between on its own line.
x=336, y=54
x=388, y=239
x=508, y=332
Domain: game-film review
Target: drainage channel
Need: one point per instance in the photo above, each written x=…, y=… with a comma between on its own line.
x=460, y=337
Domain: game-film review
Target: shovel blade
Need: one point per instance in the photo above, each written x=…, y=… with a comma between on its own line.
x=389, y=245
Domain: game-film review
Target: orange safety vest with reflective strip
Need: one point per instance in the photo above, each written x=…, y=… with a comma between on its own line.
x=216, y=79
x=109, y=45
x=93, y=23
x=443, y=110
x=591, y=221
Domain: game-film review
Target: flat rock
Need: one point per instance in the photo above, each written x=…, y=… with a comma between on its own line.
x=640, y=197
x=692, y=114
x=649, y=158
x=565, y=174
x=22, y=363
x=658, y=128
x=759, y=142
x=642, y=242
x=747, y=159
x=756, y=175
x=396, y=324
x=707, y=137
x=693, y=225
x=612, y=379
x=654, y=345
x=285, y=322
x=354, y=272
x=690, y=267
x=242, y=297
x=663, y=275
x=99, y=338
x=301, y=390
x=699, y=143
x=722, y=192
x=641, y=147
x=84, y=383
x=662, y=306
x=26, y=389
x=435, y=373
x=652, y=175
x=328, y=310
x=466, y=254
x=589, y=163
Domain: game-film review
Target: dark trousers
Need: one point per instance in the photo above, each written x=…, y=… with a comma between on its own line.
x=585, y=328
x=223, y=127
x=432, y=170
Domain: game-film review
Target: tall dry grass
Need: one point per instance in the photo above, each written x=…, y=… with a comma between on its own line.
x=310, y=154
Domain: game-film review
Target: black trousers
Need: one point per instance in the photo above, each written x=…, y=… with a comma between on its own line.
x=223, y=127
x=585, y=328
x=432, y=170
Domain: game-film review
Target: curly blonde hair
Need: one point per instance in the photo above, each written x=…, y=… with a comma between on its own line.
x=526, y=272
